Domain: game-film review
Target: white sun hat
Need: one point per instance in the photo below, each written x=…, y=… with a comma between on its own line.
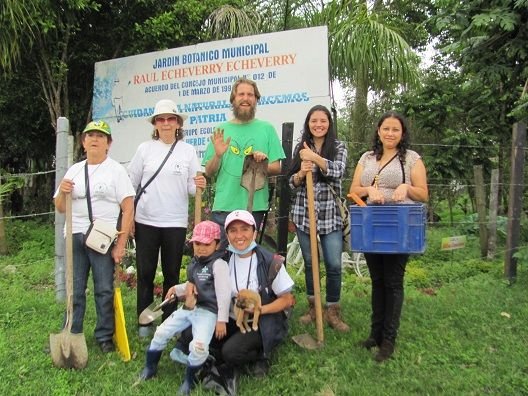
x=166, y=106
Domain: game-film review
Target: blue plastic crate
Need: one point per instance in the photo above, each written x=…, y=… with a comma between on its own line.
x=388, y=228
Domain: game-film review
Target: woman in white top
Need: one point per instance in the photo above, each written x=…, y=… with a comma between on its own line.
x=110, y=192
x=162, y=205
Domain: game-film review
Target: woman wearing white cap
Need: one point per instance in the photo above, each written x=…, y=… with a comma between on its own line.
x=250, y=267
x=163, y=172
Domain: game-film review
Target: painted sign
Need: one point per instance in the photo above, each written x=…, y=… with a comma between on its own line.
x=290, y=69
x=452, y=243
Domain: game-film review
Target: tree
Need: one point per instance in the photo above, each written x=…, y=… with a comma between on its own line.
x=451, y=124
x=367, y=54
x=364, y=52
x=486, y=41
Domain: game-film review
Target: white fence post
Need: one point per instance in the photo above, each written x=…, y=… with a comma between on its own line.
x=62, y=161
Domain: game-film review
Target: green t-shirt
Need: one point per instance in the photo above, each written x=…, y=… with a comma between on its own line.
x=256, y=135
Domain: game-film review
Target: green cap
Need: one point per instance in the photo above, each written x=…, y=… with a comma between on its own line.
x=100, y=126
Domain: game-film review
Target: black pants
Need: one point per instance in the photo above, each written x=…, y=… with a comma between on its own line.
x=149, y=241
x=235, y=349
x=387, y=272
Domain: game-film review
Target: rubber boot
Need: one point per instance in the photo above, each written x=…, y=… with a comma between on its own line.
x=230, y=376
x=151, y=365
x=385, y=351
x=309, y=316
x=190, y=380
x=333, y=317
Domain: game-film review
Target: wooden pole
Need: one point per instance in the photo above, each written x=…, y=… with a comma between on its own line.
x=3, y=241
x=314, y=251
x=198, y=203
x=515, y=200
x=492, y=216
x=480, y=195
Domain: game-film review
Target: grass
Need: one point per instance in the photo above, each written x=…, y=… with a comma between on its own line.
x=463, y=331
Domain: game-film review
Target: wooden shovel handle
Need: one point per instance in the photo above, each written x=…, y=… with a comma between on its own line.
x=198, y=203
x=357, y=199
x=314, y=249
x=69, y=263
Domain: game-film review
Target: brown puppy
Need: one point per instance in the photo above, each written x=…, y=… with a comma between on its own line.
x=247, y=299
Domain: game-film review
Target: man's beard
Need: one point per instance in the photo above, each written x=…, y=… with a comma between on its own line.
x=244, y=114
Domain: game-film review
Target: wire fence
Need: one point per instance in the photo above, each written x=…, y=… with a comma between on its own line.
x=465, y=221
x=209, y=194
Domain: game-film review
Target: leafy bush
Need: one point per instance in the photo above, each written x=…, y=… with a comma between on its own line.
x=39, y=231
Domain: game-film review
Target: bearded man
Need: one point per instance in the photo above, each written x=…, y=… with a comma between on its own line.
x=231, y=142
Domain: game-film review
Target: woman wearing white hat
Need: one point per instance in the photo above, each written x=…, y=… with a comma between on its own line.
x=163, y=172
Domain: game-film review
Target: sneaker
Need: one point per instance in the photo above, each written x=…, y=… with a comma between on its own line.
x=145, y=331
x=178, y=356
x=107, y=346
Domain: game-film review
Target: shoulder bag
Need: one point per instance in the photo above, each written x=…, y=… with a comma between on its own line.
x=100, y=235
x=345, y=214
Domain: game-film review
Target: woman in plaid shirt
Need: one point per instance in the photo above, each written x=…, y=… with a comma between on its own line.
x=321, y=153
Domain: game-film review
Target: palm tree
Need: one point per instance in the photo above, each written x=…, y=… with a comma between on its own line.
x=364, y=52
x=16, y=29
x=41, y=30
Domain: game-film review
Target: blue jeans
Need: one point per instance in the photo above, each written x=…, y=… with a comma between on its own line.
x=332, y=245
x=203, y=323
x=102, y=266
x=220, y=217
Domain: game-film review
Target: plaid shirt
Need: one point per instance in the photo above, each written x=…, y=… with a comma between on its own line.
x=327, y=214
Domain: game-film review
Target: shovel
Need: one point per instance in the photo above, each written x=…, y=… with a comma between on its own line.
x=357, y=199
x=69, y=350
x=254, y=176
x=306, y=340
x=153, y=311
x=120, y=332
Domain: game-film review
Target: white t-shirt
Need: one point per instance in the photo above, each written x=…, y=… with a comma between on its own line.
x=242, y=268
x=109, y=186
x=165, y=202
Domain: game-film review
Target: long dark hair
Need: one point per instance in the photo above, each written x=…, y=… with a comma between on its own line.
x=328, y=150
x=377, y=146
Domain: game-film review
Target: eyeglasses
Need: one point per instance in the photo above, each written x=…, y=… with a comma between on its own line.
x=170, y=120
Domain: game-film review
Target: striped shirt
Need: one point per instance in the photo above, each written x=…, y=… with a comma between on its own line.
x=327, y=214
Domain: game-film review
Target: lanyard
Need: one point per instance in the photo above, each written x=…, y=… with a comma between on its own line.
x=249, y=272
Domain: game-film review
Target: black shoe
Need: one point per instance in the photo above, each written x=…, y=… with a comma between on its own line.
x=385, y=351
x=368, y=343
x=260, y=368
x=107, y=346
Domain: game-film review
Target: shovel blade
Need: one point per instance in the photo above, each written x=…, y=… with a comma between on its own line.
x=68, y=350
x=120, y=334
x=149, y=314
x=254, y=174
x=306, y=341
